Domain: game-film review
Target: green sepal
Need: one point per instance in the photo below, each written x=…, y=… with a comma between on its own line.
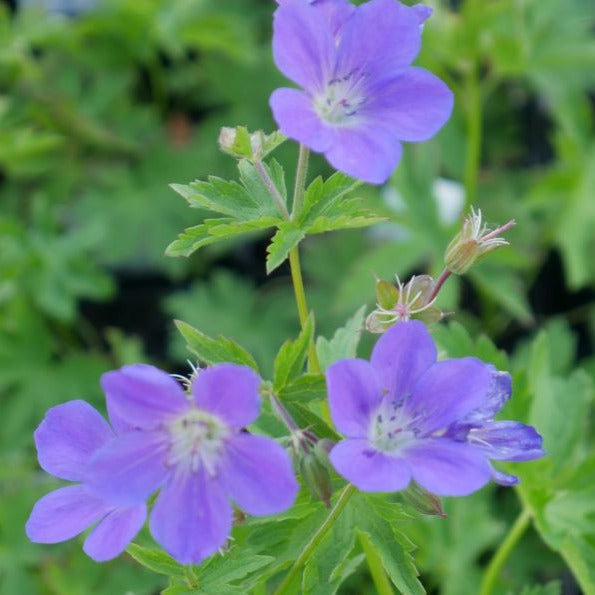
x=240, y=143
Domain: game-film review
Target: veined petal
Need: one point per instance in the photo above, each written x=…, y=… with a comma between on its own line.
x=413, y=103
x=303, y=44
x=365, y=152
x=353, y=394
x=64, y=513
x=295, y=115
x=507, y=441
x=369, y=469
x=112, y=535
x=447, y=468
x=130, y=467
x=379, y=38
x=498, y=393
x=192, y=517
x=66, y=438
x=447, y=392
x=258, y=475
x=230, y=392
x=401, y=356
x=143, y=396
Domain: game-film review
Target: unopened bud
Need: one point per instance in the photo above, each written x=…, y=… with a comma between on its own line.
x=242, y=144
x=422, y=500
x=316, y=475
x=473, y=241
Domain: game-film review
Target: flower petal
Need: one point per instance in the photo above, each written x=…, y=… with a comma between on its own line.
x=447, y=392
x=129, y=468
x=229, y=391
x=499, y=392
x=507, y=441
x=379, y=38
x=413, y=104
x=447, y=468
x=64, y=513
x=142, y=396
x=353, y=395
x=295, y=115
x=258, y=475
x=303, y=45
x=112, y=535
x=504, y=479
x=66, y=438
x=369, y=469
x=401, y=356
x=192, y=517
x=365, y=152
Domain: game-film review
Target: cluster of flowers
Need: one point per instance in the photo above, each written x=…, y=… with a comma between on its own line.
x=405, y=417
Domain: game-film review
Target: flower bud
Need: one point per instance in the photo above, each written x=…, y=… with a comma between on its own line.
x=422, y=500
x=314, y=471
x=242, y=144
x=473, y=241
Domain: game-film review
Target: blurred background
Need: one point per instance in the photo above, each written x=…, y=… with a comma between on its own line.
x=103, y=103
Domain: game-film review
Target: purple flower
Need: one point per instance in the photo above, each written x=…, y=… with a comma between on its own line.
x=361, y=97
x=194, y=450
x=407, y=417
x=66, y=439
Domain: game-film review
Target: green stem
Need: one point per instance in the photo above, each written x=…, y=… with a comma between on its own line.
x=474, y=134
x=300, y=181
x=302, y=304
x=499, y=558
x=381, y=581
x=347, y=492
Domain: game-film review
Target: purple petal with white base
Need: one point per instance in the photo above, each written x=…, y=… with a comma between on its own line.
x=112, y=535
x=67, y=436
x=447, y=468
x=130, y=468
x=191, y=517
x=462, y=385
x=369, y=469
x=230, y=392
x=64, y=513
x=143, y=395
x=258, y=475
x=401, y=356
x=353, y=392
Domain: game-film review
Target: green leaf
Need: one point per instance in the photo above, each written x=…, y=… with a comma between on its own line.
x=291, y=358
x=322, y=197
x=258, y=190
x=213, y=351
x=344, y=342
x=287, y=237
x=324, y=224
x=551, y=588
x=156, y=560
x=215, y=230
x=309, y=387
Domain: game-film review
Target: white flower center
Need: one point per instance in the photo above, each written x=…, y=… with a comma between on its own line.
x=391, y=429
x=340, y=101
x=197, y=439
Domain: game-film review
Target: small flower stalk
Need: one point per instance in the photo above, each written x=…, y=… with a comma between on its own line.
x=473, y=241
x=412, y=300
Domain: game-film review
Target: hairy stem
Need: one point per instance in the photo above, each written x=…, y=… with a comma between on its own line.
x=381, y=581
x=302, y=304
x=300, y=181
x=499, y=558
x=273, y=190
x=474, y=133
x=444, y=275
x=347, y=492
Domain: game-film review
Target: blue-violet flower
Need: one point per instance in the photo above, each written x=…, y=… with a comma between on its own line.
x=361, y=97
x=193, y=449
x=407, y=417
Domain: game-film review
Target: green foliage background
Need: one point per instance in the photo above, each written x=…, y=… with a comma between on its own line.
x=99, y=113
